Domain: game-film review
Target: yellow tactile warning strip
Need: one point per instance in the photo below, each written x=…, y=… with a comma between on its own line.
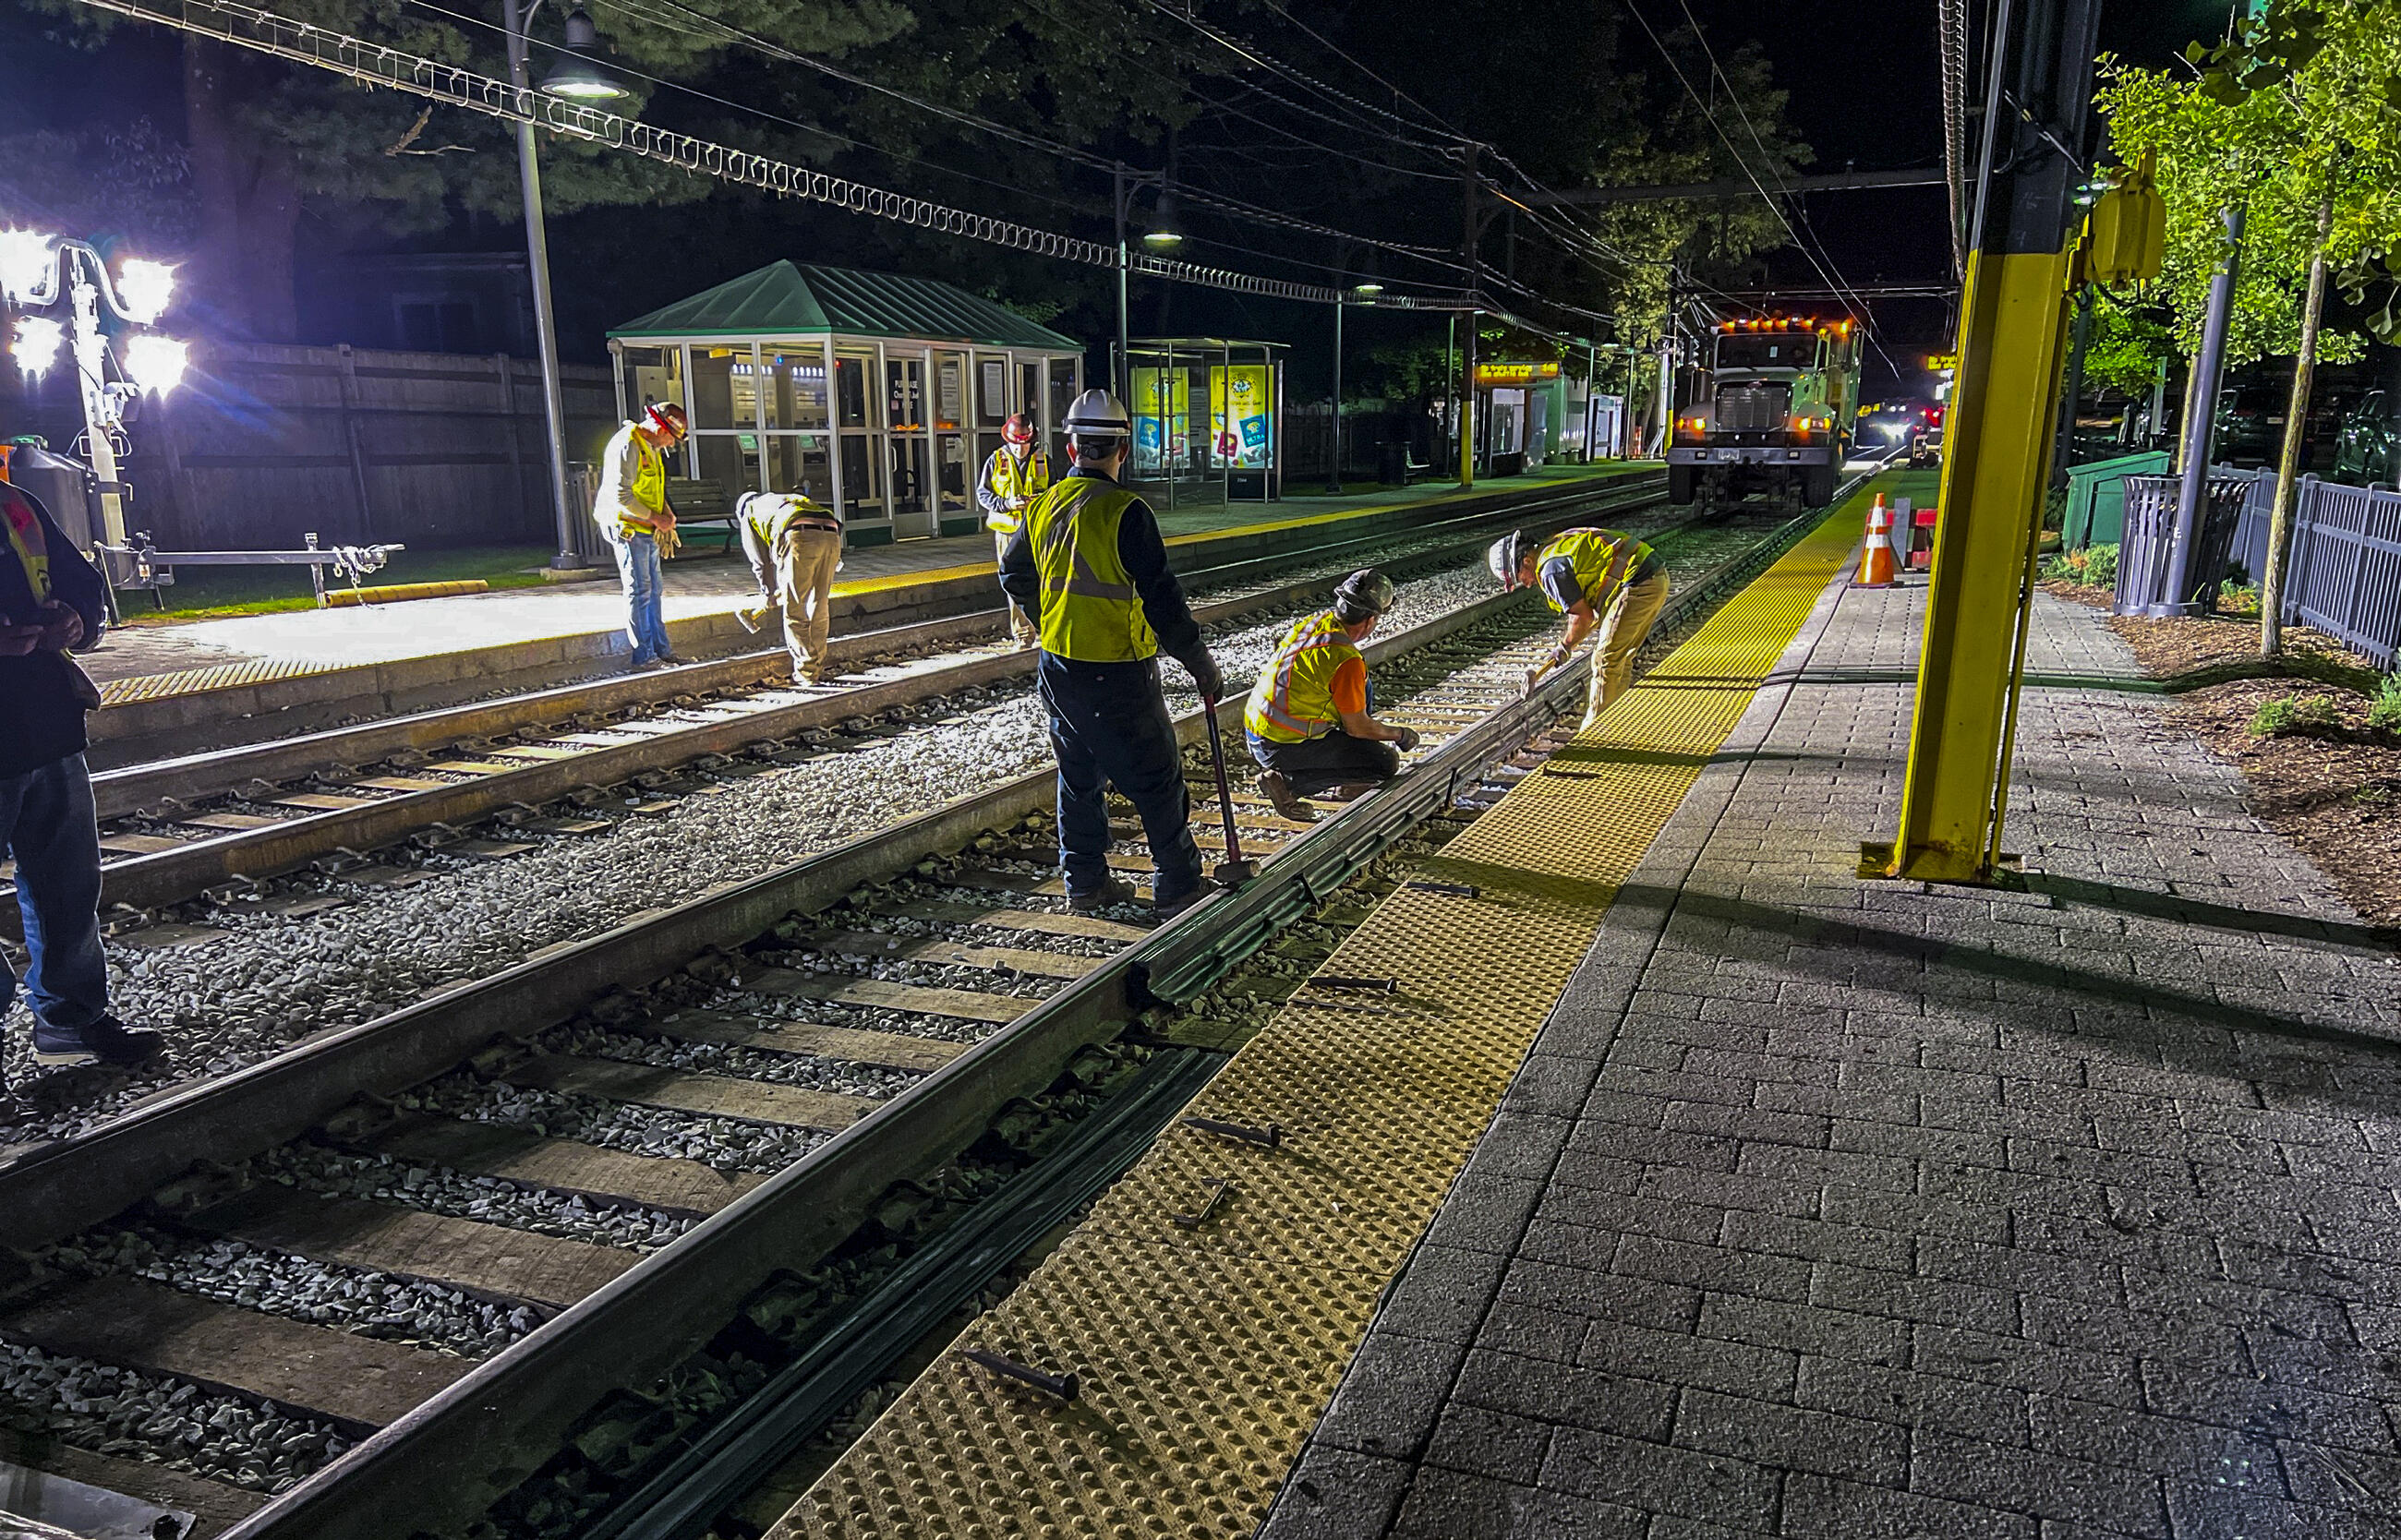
x=254, y=671
x=1205, y=1353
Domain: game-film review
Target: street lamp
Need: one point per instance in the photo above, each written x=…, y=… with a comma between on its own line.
x=38, y=270
x=576, y=79
x=1163, y=234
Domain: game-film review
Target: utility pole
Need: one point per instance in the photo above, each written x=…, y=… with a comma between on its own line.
x=1467, y=244
x=1121, y=374
x=2201, y=424
x=2003, y=422
x=1334, y=481
x=516, y=20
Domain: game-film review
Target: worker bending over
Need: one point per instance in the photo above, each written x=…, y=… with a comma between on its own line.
x=1013, y=477
x=1307, y=720
x=795, y=549
x=1598, y=579
x=1088, y=564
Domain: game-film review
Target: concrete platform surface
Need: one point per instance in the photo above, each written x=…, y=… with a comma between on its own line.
x=701, y=584
x=1869, y=1211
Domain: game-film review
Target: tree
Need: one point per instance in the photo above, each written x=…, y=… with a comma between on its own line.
x=2294, y=117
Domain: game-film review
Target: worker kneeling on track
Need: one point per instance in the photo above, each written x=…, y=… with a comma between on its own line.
x=1089, y=565
x=1308, y=719
x=1598, y=579
x=795, y=549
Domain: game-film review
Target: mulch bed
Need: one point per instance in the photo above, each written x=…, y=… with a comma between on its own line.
x=2335, y=790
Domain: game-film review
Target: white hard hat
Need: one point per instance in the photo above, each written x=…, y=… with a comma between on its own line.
x=1503, y=557
x=1098, y=414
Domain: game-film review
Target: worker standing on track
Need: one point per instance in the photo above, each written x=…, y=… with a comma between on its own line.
x=795, y=549
x=52, y=602
x=1016, y=475
x=1088, y=564
x=1308, y=719
x=1597, y=578
x=632, y=512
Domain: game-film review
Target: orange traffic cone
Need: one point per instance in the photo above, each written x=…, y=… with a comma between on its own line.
x=1875, y=563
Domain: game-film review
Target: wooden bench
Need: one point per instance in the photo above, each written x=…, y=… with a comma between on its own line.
x=702, y=508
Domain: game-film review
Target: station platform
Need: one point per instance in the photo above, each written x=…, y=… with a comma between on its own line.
x=155, y=677
x=1693, y=1186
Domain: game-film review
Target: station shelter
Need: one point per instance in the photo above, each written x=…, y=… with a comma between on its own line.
x=1530, y=413
x=1234, y=452
x=875, y=392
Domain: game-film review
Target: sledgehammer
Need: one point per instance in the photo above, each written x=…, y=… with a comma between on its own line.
x=1233, y=871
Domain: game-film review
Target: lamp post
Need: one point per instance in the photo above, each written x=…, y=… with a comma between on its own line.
x=577, y=79
x=1163, y=234
x=38, y=270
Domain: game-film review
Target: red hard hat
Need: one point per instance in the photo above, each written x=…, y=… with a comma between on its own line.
x=1016, y=430
x=666, y=417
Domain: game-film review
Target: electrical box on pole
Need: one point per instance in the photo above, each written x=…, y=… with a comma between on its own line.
x=2004, y=410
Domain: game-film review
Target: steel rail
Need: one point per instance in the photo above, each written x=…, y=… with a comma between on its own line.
x=162, y=877
x=498, y=1424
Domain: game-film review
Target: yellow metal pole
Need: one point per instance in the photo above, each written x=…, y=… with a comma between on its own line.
x=1996, y=460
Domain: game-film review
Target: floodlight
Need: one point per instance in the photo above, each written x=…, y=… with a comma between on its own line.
x=155, y=363
x=143, y=289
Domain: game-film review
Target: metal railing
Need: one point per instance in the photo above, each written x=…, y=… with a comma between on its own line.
x=2343, y=575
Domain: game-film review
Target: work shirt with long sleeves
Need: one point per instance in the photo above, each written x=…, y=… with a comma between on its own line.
x=1144, y=551
x=993, y=504
x=617, y=508
x=41, y=693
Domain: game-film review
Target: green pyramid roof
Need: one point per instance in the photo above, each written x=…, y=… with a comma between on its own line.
x=784, y=299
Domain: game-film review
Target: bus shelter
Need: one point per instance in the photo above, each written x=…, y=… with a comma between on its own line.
x=874, y=392
x=1208, y=419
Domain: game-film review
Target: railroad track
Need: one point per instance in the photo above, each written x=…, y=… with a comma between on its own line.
x=475, y=782
x=666, y=1198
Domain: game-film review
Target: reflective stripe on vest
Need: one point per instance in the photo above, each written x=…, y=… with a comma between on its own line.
x=1010, y=477
x=1601, y=558
x=27, y=541
x=1293, y=700
x=1090, y=611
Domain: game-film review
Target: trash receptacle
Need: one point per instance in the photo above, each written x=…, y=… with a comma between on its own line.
x=2145, y=551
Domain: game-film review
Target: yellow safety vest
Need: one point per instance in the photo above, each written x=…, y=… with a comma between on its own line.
x=1011, y=477
x=1090, y=611
x=791, y=510
x=31, y=546
x=1601, y=558
x=1293, y=700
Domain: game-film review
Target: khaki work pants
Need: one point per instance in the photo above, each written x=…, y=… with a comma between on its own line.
x=804, y=587
x=1623, y=629
x=1021, y=626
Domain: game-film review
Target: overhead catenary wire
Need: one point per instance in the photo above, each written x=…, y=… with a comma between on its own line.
x=375, y=63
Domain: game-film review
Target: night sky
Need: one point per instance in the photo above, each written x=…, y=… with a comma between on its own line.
x=1860, y=74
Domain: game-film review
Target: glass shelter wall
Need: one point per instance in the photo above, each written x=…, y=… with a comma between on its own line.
x=894, y=430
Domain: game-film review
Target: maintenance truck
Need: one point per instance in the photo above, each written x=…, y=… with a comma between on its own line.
x=1770, y=412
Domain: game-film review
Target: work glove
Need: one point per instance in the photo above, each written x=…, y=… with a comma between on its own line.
x=1407, y=738
x=1205, y=677
x=752, y=616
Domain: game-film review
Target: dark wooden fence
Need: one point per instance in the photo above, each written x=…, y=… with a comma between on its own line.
x=265, y=443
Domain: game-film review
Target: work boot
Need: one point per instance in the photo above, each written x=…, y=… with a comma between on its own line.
x=1286, y=801
x=1111, y=893
x=105, y=1042
x=1349, y=791
x=1165, y=909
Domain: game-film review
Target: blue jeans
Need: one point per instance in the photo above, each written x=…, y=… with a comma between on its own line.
x=1110, y=723
x=638, y=568
x=47, y=824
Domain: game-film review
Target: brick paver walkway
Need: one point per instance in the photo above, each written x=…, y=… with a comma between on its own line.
x=1870, y=1212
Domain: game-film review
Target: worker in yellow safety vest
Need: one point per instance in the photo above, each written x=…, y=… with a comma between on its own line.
x=1599, y=579
x=631, y=509
x=1308, y=719
x=1013, y=477
x=795, y=548
x=1088, y=563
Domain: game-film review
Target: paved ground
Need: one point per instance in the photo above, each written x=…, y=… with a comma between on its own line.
x=696, y=585
x=1869, y=1212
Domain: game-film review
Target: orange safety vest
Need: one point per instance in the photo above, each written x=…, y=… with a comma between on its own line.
x=1293, y=700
